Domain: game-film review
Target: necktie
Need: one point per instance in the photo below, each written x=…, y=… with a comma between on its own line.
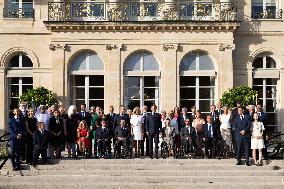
x=83, y=114
x=209, y=130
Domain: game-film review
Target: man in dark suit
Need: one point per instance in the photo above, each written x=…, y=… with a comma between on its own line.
x=215, y=115
x=84, y=115
x=192, y=114
x=184, y=115
x=235, y=114
x=17, y=131
x=187, y=136
x=145, y=137
x=120, y=116
x=110, y=119
x=153, y=128
x=219, y=108
x=211, y=136
x=122, y=134
x=251, y=111
x=242, y=131
x=103, y=137
x=263, y=118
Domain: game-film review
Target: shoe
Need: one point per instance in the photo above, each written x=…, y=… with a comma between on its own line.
x=239, y=163
x=151, y=157
x=15, y=169
x=247, y=163
x=157, y=157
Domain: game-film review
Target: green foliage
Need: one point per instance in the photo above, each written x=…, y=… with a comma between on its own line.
x=246, y=95
x=38, y=96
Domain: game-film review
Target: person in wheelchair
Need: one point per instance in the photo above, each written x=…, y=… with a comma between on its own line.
x=103, y=140
x=187, y=136
x=122, y=135
x=168, y=135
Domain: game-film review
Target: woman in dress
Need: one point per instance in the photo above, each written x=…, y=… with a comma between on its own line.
x=225, y=129
x=56, y=130
x=163, y=118
x=83, y=133
x=198, y=123
x=31, y=126
x=72, y=122
x=257, y=142
x=137, y=130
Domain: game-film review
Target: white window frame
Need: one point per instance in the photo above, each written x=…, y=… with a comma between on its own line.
x=264, y=2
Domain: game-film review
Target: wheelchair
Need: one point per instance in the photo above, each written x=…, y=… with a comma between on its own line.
x=103, y=148
x=187, y=149
x=164, y=150
x=122, y=149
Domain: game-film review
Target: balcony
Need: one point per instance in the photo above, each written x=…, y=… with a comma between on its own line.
x=18, y=13
x=129, y=11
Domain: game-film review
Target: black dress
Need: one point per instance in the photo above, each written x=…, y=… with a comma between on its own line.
x=55, y=126
x=71, y=129
x=32, y=125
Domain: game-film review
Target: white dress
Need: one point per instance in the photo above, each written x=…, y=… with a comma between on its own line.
x=136, y=122
x=225, y=121
x=257, y=131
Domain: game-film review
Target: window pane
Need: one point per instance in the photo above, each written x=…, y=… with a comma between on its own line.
x=257, y=81
x=14, y=62
x=79, y=62
x=132, y=82
x=149, y=93
x=188, y=63
x=14, y=80
x=187, y=93
x=95, y=103
x=270, y=62
x=80, y=93
x=271, y=118
x=271, y=81
x=259, y=91
x=258, y=62
x=27, y=80
x=150, y=63
x=131, y=104
x=14, y=91
x=26, y=61
x=149, y=103
x=133, y=93
x=205, y=93
x=95, y=62
x=205, y=63
x=96, y=80
x=204, y=105
x=79, y=80
x=14, y=103
x=25, y=88
x=133, y=63
x=187, y=81
x=151, y=82
x=206, y=81
x=271, y=92
x=270, y=105
x=96, y=93
x=187, y=103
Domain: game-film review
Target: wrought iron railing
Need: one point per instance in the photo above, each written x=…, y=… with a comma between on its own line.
x=267, y=14
x=141, y=11
x=18, y=13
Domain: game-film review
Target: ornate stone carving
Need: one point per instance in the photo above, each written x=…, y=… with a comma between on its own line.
x=171, y=46
x=54, y=47
x=223, y=47
x=115, y=46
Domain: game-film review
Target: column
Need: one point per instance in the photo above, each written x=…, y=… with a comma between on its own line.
x=3, y=99
x=169, y=78
x=113, y=77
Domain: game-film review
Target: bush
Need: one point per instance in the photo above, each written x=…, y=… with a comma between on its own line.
x=246, y=95
x=38, y=96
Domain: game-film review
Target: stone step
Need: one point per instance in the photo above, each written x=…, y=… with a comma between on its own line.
x=142, y=179
x=131, y=185
x=34, y=172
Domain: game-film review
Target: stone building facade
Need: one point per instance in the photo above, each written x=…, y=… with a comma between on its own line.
x=167, y=52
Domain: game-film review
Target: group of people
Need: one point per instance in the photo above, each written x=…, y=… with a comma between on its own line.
x=135, y=133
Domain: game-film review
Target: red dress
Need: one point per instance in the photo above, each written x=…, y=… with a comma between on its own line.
x=84, y=133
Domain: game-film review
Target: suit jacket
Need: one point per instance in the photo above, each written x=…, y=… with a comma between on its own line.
x=123, y=132
x=216, y=131
x=153, y=123
x=87, y=117
x=16, y=128
x=144, y=119
x=215, y=117
x=242, y=124
x=118, y=117
x=110, y=120
x=103, y=134
x=41, y=139
x=263, y=117
x=184, y=133
x=182, y=119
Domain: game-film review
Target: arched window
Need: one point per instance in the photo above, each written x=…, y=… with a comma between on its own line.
x=197, y=81
x=265, y=81
x=19, y=72
x=141, y=80
x=87, y=80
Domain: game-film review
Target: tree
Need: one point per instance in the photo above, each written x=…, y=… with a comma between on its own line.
x=38, y=96
x=246, y=95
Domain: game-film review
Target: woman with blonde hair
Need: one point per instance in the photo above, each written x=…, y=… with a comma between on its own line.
x=83, y=133
x=137, y=130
